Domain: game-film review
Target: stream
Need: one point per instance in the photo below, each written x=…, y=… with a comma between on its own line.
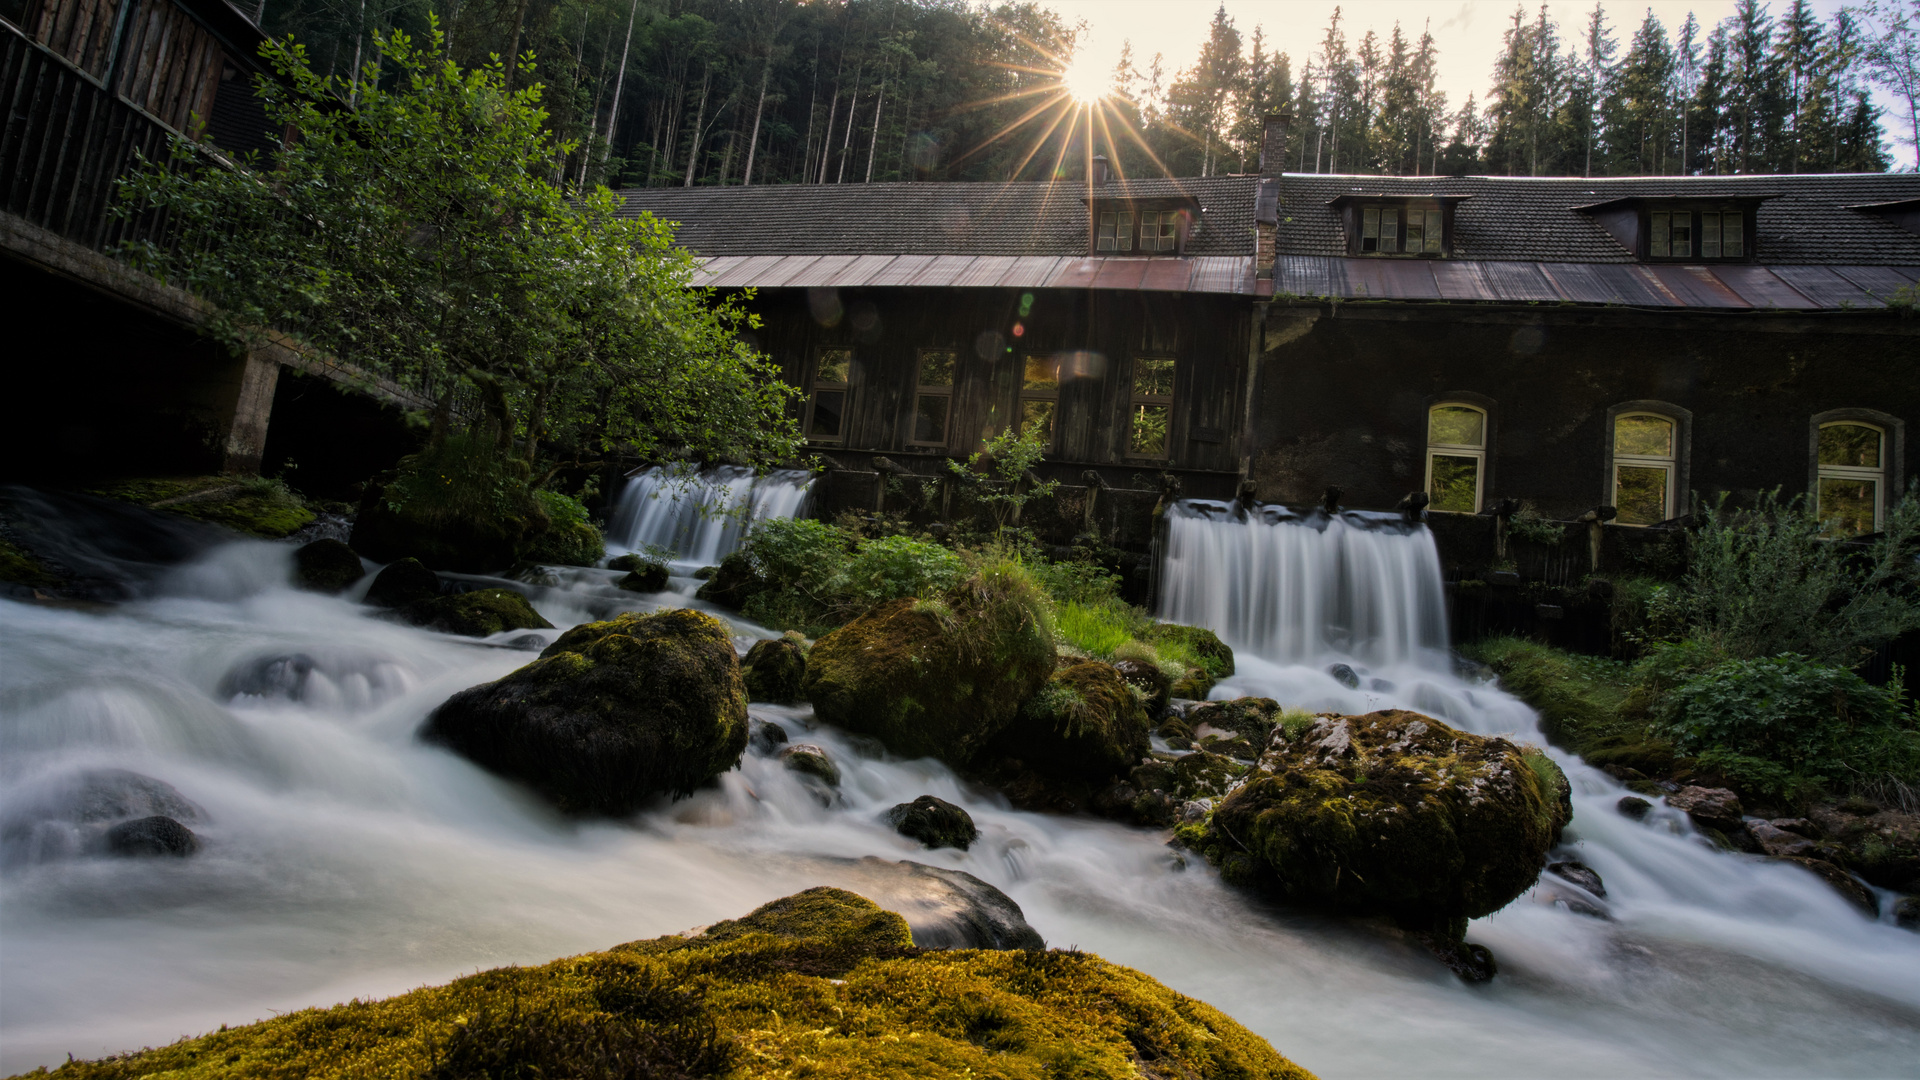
x=343, y=858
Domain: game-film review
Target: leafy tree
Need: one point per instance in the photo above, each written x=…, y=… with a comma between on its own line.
x=1004, y=473
x=1893, y=58
x=417, y=236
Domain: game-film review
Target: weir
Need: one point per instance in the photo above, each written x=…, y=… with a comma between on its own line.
x=699, y=517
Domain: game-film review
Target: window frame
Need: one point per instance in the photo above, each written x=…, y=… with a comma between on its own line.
x=1025, y=395
x=1137, y=400
x=1893, y=454
x=1696, y=213
x=1680, y=479
x=1403, y=210
x=1669, y=464
x=924, y=390
x=816, y=386
x=1478, y=453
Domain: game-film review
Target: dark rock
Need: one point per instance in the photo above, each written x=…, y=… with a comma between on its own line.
x=1239, y=727
x=326, y=566
x=1397, y=814
x=643, y=574
x=64, y=815
x=810, y=760
x=407, y=581
x=1149, y=680
x=1711, y=808
x=1383, y=686
x=764, y=736
x=733, y=582
x=156, y=835
x=1843, y=883
x=946, y=909
x=611, y=714
x=1780, y=843
x=1906, y=913
x=934, y=822
x=1579, y=874
x=1799, y=826
x=937, y=680
x=465, y=509
x=480, y=613
x=1634, y=807
x=1623, y=773
x=1084, y=724
x=526, y=643
x=1345, y=676
x=1195, y=685
x=1473, y=963
x=775, y=669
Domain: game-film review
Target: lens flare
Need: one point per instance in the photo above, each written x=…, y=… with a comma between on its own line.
x=1084, y=82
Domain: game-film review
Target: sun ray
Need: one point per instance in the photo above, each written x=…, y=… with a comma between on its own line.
x=1042, y=141
x=1012, y=126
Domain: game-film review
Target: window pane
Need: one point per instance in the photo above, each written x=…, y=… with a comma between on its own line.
x=1153, y=375
x=1847, y=505
x=1043, y=373
x=1106, y=233
x=1856, y=445
x=1733, y=235
x=1416, y=231
x=1038, y=416
x=1456, y=425
x=1659, y=234
x=1369, y=223
x=1433, y=230
x=1148, y=436
x=1683, y=236
x=936, y=369
x=834, y=366
x=1710, y=235
x=1640, y=494
x=1389, y=230
x=828, y=405
x=1456, y=484
x=1643, y=436
x=930, y=419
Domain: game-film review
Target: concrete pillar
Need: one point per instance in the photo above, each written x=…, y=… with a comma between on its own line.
x=246, y=427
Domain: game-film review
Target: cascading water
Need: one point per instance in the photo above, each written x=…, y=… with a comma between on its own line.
x=700, y=517
x=344, y=858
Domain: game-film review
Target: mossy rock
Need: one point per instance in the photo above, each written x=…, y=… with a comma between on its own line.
x=1205, y=647
x=822, y=984
x=936, y=678
x=775, y=669
x=1195, y=685
x=403, y=582
x=480, y=613
x=326, y=566
x=611, y=714
x=1397, y=814
x=732, y=583
x=264, y=508
x=810, y=760
x=1239, y=728
x=457, y=506
x=934, y=822
x=1154, y=686
x=643, y=574
x=1086, y=724
x=18, y=566
x=575, y=543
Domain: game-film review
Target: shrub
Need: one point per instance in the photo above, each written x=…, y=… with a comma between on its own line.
x=897, y=566
x=1771, y=580
x=1530, y=525
x=571, y=539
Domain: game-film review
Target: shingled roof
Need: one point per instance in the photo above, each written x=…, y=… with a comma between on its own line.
x=1533, y=219
x=1023, y=218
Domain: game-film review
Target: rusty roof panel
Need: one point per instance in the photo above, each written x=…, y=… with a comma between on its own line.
x=746, y=271
x=902, y=270
x=1075, y=274
x=1222, y=274
x=1410, y=280
x=1031, y=271
x=784, y=271
x=1695, y=286
x=1520, y=281
x=707, y=271
x=1462, y=281
x=1758, y=286
x=1120, y=274
x=985, y=270
x=1304, y=275
x=824, y=271
x=943, y=270
x=1601, y=283
x=1879, y=281
x=1824, y=287
x=1167, y=275
x=862, y=270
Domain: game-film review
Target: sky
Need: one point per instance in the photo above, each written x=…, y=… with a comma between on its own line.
x=1468, y=32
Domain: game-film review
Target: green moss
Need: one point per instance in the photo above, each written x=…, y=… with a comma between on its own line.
x=19, y=566
x=481, y=613
x=643, y=574
x=1194, y=647
x=570, y=539
x=254, y=506
x=1086, y=723
x=823, y=984
x=1586, y=703
x=1396, y=814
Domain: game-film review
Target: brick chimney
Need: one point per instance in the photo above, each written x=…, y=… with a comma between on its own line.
x=1273, y=144
x=1099, y=175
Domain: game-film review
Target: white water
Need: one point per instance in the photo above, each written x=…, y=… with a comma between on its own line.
x=345, y=859
x=699, y=517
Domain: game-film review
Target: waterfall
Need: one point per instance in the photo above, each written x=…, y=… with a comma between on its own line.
x=1289, y=587
x=700, y=517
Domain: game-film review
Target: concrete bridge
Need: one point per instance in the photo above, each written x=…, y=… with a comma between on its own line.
x=106, y=370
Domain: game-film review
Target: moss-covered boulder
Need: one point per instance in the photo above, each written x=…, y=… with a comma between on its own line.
x=1396, y=814
x=1195, y=646
x=403, y=582
x=934, y=822
x=251, y=505
x=460, y=505
x=733, y=582
x=1086, y=723
x=810, y=760
x=1238, y=728
x=822, y=984
x=611, y=714
x=775, y=669
x=480, y=613
x=326, y=566
x=940, y=677
x=1152, y=683
x=642, y=574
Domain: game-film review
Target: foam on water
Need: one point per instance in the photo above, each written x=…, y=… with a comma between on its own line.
x=344, y=858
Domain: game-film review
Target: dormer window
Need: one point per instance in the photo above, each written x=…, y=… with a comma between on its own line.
x=1696, y=234
x=1377, y=225
x=1674, y=228
x=1146, y=229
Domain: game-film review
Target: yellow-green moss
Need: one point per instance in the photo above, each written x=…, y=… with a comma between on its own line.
x=20, y=567
x=1587, y=704
x=823, y=984
x=1085, y=723
x=257, y=507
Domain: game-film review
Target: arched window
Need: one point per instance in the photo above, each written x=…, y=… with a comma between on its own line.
x=1456, y=457
x=1852, y=476
x=1644, y=463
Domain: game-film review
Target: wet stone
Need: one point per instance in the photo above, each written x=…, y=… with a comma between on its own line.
x=406, y=581
x=1710, y=808
x=810, y=760
x=934, y=822
x=1345, y=676
x=1579, y=874
x=150, y=836
x=765, y=736
x=1634, y=806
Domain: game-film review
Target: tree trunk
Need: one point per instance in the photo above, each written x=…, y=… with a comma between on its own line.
x=874, y=142
x=513, y=54
x=699, y=117
x=619, y=81
x=853, y=109
x=753, y=141
x=826, y=141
